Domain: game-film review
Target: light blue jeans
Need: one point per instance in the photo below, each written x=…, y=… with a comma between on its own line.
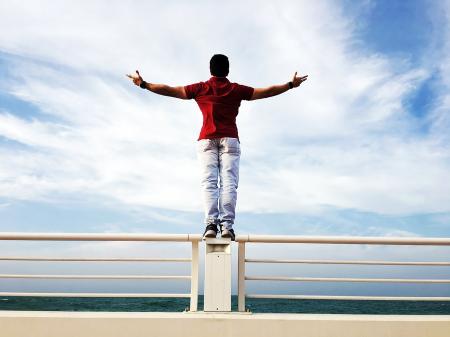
x=219, y=162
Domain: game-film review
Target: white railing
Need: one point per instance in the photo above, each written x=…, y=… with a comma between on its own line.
x=242, y=260
x=415, y=241
x=194, y=260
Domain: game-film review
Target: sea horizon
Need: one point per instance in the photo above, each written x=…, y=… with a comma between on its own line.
x=114, y=304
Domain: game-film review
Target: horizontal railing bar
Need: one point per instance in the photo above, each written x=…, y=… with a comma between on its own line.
x=344, y=240
x=361, y=298
x=412, y=263
x=70, y=259
x=143, y=277
x=93, y=294
x=98, y=236
x=338, y=279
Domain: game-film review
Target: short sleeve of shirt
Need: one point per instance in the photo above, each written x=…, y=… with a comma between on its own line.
x=245, y=92
x=192, y=90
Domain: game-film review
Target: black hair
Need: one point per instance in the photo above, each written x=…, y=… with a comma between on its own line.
x=219, y=65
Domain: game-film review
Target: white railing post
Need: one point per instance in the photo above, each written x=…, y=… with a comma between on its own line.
x=241, y=276
x=194, y=277
x=217, y=275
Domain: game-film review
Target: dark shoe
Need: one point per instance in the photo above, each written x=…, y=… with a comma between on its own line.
x=210, y=231
x=227, y=233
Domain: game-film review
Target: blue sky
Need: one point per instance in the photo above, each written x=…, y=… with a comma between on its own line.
x=362, y=148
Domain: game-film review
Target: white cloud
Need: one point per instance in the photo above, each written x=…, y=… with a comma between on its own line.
x=343, y=139
x=440, y=116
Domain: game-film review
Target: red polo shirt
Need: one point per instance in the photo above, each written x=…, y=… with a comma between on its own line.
x=219, y=101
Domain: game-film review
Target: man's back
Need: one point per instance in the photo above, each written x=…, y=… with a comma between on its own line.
x=219, y=101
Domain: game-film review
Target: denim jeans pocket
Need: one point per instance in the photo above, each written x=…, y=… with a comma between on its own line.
x=230, y=145
x=205, y=145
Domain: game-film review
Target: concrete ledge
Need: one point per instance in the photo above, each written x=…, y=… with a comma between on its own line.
x=136, y=324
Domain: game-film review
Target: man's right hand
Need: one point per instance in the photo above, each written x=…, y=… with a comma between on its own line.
x=296, y=81
x=274, y=90
x=137, y=79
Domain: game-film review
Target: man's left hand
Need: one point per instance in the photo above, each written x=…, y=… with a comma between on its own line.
x=137, y=79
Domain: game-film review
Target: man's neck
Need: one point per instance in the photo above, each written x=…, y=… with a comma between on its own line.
x=219, y=78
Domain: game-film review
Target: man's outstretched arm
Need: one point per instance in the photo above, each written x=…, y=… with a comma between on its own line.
x=274, y=90
x=161, y=89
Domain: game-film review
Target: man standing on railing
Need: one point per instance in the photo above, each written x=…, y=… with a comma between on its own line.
x=218, y=144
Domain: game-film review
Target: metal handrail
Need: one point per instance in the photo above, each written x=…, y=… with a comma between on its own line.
x=342, y=279
x=359, y=262
x=373, y=240
x=95, y=259
x=100, y=277
x=193, y=238
x=42, y=294
x=99, y=237
x=415, y=241
x=357, y=298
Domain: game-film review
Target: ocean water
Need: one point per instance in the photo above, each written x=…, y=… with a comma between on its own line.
x=254, y=305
